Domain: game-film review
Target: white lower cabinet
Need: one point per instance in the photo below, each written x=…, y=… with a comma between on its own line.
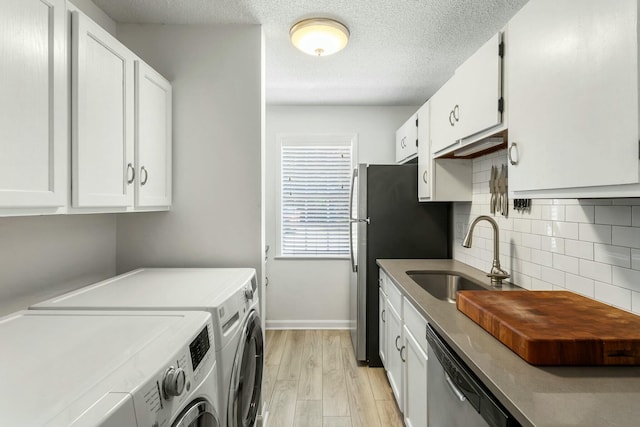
x=394, y=364
x=415, y=382
x=382, y=330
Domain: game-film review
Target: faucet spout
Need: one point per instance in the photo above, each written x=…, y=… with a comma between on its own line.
x=497, y=274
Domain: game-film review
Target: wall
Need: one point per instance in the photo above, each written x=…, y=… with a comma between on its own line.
x=588, y=246
x=315, y=293
x=89, y=8
x=215, y=220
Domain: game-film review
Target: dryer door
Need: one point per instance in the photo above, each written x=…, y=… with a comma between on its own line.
x=246, y=377
x=198, y=413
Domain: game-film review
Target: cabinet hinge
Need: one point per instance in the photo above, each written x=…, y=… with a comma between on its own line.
x=638, y=149
x=501, y=50
x=416, y=122
x=501, y=105
x=416, y=142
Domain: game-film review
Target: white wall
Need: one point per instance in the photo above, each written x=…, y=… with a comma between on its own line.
x=315, y=293
x=89, y=8
x=588, y=246
x=215, y=220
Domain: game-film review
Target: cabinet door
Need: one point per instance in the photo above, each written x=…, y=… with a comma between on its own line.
x=406, y=140
x=573, y=94
x=382, y=330
x=415, y=382
x=153, y=137
x=424, y=153
x=102, y=110
x=443, y=117
x=480, y=88
x=394, y=361
x=33, y=104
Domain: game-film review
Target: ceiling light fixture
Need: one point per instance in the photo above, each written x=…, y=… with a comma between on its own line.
x=319, y=36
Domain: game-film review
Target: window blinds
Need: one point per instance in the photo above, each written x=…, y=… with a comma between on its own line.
x=315, y=200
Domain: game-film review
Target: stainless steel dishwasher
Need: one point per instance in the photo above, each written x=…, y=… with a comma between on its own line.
x=455, y=396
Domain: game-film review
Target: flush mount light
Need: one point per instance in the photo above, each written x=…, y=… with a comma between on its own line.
x=319, y=36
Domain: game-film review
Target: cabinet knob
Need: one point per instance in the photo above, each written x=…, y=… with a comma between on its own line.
x=382, y=317
x=397, y=346
x=424, y=176
x=146, y=175
x=401, y=356
x=513, y=149
x=451, y=118
x=131, y=173
x=456, y=112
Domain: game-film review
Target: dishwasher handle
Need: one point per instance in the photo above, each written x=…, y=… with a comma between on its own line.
x=454, y=389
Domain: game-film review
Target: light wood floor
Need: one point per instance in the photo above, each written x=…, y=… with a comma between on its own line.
x=312, y=379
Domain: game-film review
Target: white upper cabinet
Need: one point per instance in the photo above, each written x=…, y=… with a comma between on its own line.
x=407, y=140
x=440, y=180
x=470, y=103
x=33, y=101
x=153, y=137
x=102, y=117
x=573, y=99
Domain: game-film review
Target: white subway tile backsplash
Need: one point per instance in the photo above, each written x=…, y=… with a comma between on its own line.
x=531, y=241
x=542, y=257
x=553, y=212
x=579, y=213
x=567, y=230
x=589, y=246
x=613, y=295
x=553, y=276
x=635, y=302
x=626, y=236
x=595, y=270
x=578, y=249
x=613, y=215
x=614, y=255
x=626, y=278
x=595, y=233
x=552, y=244
x=635, y=259
x=566, y=263
x=543, y=228
x=580, y=285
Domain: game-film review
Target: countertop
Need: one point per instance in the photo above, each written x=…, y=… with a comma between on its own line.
x=536, y=396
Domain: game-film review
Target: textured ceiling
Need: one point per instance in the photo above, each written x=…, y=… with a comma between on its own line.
x=400, y=51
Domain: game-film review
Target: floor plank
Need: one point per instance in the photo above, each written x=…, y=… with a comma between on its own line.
x=389, y=414
x=361, y=402
x=274, y=341
x=310, y=385
x=308, y=413
x=283, y=404
x=334, y=389
x=336, y=422
x=291, y=357
x=380, y=384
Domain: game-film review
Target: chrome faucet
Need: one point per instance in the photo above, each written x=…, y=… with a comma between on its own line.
x=496, y=274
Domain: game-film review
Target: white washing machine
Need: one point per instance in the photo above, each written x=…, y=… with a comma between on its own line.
x=107, y=369
x=229, y=294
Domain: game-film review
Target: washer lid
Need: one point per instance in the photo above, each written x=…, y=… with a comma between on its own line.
x=157, y=288
x=50, y=359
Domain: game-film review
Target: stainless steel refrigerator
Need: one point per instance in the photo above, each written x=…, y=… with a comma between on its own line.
x=387, y=221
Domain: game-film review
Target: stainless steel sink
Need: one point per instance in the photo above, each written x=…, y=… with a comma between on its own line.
x=444, y=286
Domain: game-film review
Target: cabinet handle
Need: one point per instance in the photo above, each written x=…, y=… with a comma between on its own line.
x=402, y=358
x=456, y=112
x=451, y=118
x=397, y=346
x=130, y=172
x=424, y=177
x=510, y=152
x=146, y=175
x=382, y=316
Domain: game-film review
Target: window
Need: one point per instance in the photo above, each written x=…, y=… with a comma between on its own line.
x=315, y=184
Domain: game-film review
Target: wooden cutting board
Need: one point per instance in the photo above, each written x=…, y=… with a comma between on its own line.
x=556, y=327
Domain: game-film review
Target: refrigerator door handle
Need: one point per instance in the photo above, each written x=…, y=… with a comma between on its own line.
x=353, y=182
x=354, y=267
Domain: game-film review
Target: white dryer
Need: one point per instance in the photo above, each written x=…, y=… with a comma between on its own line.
x=107, y=369
x=229, y=294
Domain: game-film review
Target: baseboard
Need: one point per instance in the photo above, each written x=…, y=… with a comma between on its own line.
x=307, y=324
